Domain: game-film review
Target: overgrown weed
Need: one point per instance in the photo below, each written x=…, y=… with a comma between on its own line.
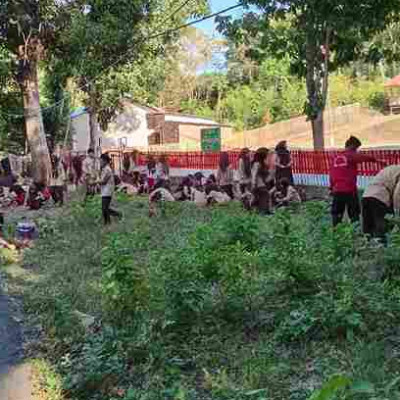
x=217, y=304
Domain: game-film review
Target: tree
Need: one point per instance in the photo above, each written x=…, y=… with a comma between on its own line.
x=185, y=58
x=322, y=35
x=56, y=120
x=112, y=36
x=28, y=28
x=11, y=122
x=384, y=48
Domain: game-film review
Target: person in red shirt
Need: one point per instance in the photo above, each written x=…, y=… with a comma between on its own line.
x=39, y=194
x=343, y=181
x=19, y=195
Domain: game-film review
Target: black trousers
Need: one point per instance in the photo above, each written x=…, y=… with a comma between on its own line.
x=107, y=211
x=373, y=215
x=57, y=193
x=245, y=187
x=262, y=200
x=343, y=201
x=228, y=189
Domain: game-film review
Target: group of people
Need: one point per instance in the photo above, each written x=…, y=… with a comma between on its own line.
x=381, y=197
x=34, y=195
x=263, y=181
x=20, y=190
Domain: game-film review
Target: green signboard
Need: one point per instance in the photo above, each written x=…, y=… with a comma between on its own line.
x=211, y=140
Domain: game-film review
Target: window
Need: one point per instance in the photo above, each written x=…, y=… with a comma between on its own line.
x=154, y=139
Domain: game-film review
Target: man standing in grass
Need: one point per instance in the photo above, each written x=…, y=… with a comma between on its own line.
x=343, y=181
x=107, y=189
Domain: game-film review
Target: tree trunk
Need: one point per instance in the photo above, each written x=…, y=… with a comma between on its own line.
x=325, y=79
x=41, y=162
x=316, y=90
x=92, y=117
x=92, y=129
x=318, y=126
x=318, y=131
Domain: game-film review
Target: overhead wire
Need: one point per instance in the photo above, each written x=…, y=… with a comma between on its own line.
x=54, y=105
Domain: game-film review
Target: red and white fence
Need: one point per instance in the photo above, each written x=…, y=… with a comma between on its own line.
x=309, y=167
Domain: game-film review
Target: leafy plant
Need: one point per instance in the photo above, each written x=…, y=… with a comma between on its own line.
x=215, y=304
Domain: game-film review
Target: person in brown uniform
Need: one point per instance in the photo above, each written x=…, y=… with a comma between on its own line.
x=90, y=174
x=225, y=175
x=381, y=197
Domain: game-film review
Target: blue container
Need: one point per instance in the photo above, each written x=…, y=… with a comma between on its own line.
x=26, y=231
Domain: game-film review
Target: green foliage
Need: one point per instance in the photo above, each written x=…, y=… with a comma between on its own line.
x=46, y=380
x=275, y=95
x=125, y=285
x=11, y=123
x=385, y=46
x=245, y=107
x=93, y=367
x=367, y=92
x=196, y=107
x=297, y=31
x=8, y=256
x=218, y=304
x=331, y=388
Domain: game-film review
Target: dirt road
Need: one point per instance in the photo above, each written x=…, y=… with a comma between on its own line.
x=14, y=373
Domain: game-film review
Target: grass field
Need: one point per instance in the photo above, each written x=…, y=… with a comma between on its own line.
x=212, y=304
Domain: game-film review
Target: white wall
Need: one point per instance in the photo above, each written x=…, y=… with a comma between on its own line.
x=80, y=134
x=130, y=124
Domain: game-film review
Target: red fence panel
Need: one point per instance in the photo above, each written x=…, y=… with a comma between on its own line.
x=303, y=161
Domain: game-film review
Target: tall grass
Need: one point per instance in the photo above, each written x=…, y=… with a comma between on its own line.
x=217, y=304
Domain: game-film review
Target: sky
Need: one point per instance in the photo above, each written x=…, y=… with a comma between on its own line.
x=209, y=26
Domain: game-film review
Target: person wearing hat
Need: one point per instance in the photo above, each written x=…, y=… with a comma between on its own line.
x=381, y=197
x=107, y=189
x=343, y=181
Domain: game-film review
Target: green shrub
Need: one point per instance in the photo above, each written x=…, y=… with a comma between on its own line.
x=377, y=101
x=8, y=256
x=125, y=282
x=218, y=304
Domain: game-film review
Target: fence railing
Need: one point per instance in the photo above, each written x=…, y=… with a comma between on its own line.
x=303, y=162
x=309, y=167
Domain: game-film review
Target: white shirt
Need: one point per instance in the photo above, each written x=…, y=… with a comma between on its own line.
x=89, y=167
x=219, y=197
x=107, y=182
x=243, y=178
x=198, y=197
x=161, y=172
x=166, y=194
